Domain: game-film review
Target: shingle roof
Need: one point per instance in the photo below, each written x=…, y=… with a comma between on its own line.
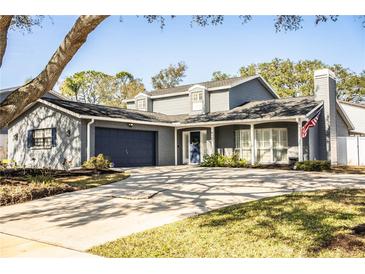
x=6, y=91
x=112, y=112
x=208, y=85
x=266, y=109
x=283, y=108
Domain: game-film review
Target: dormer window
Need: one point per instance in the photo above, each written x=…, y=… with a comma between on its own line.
x=141, y=104
x=197, y=101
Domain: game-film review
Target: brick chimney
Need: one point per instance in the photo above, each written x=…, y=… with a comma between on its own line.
x=325, y=90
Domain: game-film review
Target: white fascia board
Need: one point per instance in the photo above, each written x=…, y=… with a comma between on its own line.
x=74, y=114
x=128, y=100
x=169, y=95
x=243, y=122
x=120, y=120
x=200, y=87
x=270, y=88
x=141, y=94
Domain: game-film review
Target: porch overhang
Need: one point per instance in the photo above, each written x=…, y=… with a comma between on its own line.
x=240, y=122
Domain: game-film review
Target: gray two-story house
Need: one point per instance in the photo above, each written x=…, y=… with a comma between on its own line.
x=182, y=124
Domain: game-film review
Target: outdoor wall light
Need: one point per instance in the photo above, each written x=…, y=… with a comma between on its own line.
x=130, y=125
x=68, y=133
x=15, y=137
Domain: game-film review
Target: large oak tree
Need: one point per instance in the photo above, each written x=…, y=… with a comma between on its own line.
x=15, y=103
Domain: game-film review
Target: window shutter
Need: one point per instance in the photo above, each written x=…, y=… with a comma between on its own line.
x=30, y=138
x=54, y=137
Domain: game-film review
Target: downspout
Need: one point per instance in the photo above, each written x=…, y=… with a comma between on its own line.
x=88, y=149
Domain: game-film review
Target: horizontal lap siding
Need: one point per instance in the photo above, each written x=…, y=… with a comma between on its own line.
x=172, y=105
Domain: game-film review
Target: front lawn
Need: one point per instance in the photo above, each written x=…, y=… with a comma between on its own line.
x=24, y=185
x=309, y=224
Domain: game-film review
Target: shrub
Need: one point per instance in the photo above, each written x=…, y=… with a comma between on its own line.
x=218, y=160
x=315, y=165
x=98, y=162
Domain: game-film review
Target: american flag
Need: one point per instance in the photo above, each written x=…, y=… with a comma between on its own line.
x=311, y=123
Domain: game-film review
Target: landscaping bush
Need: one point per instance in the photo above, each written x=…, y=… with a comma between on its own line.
x=315, y=165
x=219, y=160
x=98, y=162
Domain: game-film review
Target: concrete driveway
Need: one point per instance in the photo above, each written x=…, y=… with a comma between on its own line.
x=150, y=197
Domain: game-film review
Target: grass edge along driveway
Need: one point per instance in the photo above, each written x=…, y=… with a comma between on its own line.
x=303, y=224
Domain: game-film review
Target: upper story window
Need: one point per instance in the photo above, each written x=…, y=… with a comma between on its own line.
x=197, y=101
x=42, y=138
x=141, y=104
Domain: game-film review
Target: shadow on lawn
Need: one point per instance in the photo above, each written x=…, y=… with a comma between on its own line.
x=319, y=224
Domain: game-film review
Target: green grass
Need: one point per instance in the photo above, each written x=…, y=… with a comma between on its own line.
x=310, y=224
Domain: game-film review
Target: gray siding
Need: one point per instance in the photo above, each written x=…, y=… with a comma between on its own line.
x=131, y=105
x=38, y=117
x=325, y=90
x=250, y=91
x=165, y=139
x=341, y=127
x=172, y=105
x=219, y=100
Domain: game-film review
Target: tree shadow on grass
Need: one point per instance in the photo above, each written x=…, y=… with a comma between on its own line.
x=288, y=219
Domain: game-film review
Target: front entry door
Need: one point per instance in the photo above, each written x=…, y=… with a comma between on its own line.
x=194, y=147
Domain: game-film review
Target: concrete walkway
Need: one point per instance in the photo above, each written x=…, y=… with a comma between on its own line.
x=151, y=197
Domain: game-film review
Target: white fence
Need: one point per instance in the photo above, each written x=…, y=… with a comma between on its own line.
x=351, y=151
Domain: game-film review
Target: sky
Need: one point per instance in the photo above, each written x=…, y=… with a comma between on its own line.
x=131, y=44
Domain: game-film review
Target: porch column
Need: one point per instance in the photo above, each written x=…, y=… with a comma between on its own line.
x=175, y=144
x=212, y=139
x=253, y=148
x=300, y=140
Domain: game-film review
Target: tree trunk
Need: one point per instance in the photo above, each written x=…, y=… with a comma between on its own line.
x=5, y=21
x=15, y=103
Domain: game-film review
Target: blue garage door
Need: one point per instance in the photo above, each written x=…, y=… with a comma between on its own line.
x=126, y=148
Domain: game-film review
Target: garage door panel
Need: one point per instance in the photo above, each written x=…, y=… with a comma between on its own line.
x=126, y=147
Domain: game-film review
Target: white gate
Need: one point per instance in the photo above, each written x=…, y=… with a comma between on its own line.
x=351, y=151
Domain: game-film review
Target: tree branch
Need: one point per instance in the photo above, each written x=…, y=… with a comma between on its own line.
x=14, y=104
x=5, y=21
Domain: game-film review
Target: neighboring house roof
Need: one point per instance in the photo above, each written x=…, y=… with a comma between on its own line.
x=352, y=104
x=209, y=85
x=256, y=110
x=6, y=91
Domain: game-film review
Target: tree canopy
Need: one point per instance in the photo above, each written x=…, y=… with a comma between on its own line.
x=169, y=77
x=290, y=78
x=19, y=99
x=100, y=88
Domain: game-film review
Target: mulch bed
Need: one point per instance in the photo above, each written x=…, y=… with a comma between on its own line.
x=16, y=192
x=16, y=184
x=20, y=172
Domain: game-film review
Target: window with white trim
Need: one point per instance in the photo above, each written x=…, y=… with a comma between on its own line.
x=280, y=144
x=42, y=138
x=141, y=104
x=243, y=144
x=197, y=101
x=271, y=144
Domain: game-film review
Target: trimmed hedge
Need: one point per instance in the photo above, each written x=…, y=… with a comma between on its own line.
x=315, y=165
x=218, y=160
